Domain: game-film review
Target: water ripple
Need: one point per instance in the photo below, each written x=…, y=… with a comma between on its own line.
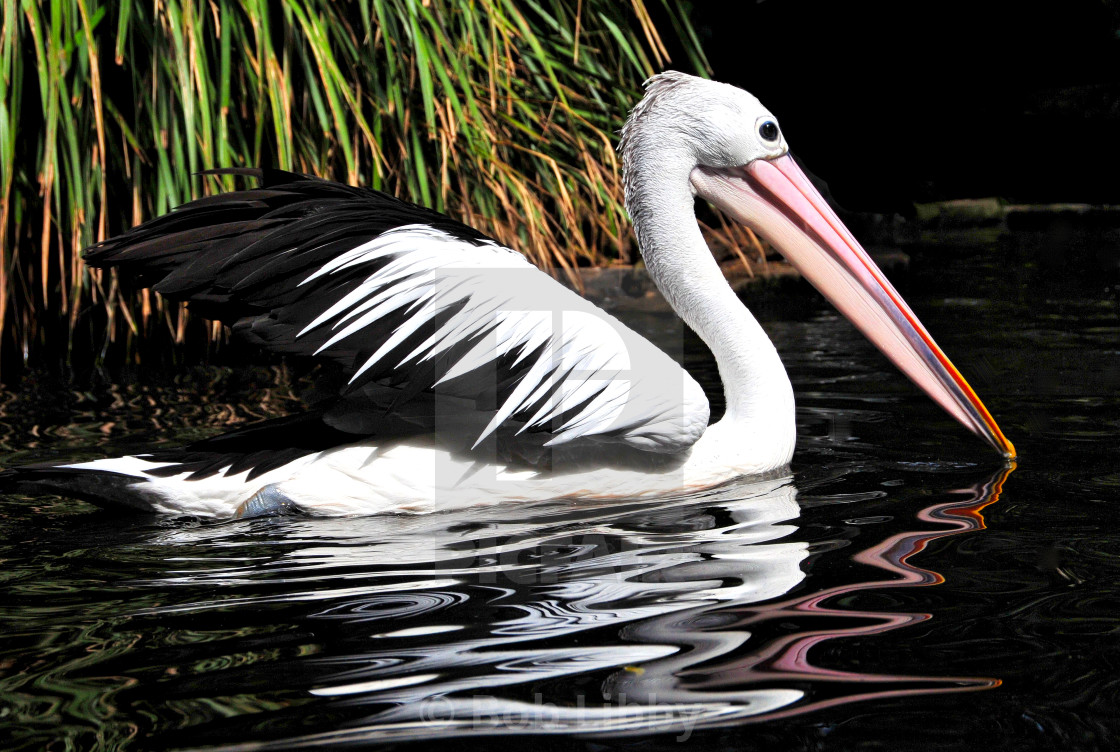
x=883, y=572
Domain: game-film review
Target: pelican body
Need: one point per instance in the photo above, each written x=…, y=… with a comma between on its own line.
x=455, y=373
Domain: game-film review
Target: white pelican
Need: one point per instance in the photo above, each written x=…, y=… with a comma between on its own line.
x=464, y=375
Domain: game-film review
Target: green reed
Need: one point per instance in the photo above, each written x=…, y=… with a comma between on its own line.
x=502, y=113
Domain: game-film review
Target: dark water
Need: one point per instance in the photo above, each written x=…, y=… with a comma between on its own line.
x=900, y=589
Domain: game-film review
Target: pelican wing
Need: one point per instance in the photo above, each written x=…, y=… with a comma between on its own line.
x=408, y=302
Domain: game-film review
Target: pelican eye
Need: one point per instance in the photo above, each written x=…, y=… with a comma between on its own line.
x=768, y=131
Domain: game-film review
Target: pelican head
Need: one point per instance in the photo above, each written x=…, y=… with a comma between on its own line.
x=735, y=155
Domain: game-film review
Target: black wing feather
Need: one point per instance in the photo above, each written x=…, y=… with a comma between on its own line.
x=240, y=258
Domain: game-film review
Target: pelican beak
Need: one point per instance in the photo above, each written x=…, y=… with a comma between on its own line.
x=776, y=199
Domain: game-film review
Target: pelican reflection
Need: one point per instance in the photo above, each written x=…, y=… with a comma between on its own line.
x=670, y=616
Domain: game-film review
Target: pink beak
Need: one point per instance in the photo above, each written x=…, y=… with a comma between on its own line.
x=774, y=198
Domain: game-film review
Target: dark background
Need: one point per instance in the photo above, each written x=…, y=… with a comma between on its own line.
x=896, y=102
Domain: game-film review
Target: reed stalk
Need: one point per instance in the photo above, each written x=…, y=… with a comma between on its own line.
x=502, y=113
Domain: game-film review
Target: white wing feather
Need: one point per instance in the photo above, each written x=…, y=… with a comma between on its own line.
x=584, y=360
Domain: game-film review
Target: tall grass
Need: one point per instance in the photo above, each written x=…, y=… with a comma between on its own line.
x=503, y=113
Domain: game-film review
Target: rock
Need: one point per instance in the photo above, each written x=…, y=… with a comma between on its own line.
x=1045, y=216
x=966, y=212
x=625, y=287
x=891, y=260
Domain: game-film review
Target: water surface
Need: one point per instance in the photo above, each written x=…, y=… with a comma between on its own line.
x=897, y=588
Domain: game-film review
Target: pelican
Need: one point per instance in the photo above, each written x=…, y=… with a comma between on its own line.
x=456, y=373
